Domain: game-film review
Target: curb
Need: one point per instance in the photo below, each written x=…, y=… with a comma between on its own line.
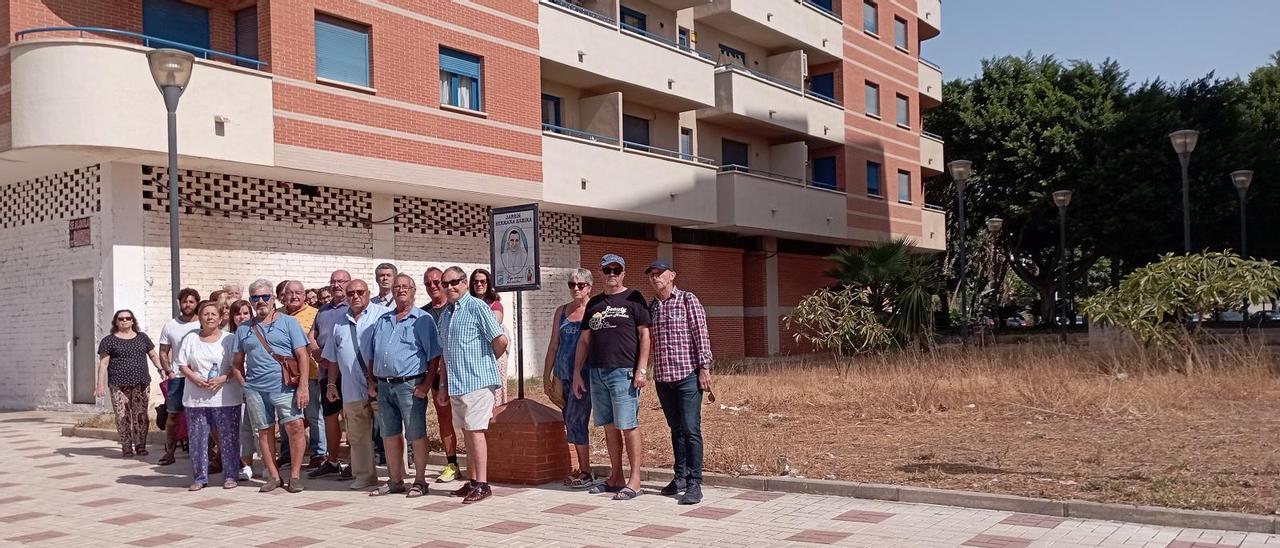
x=1076, y=509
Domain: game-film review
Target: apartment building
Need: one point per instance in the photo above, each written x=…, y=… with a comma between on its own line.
x=742, y=140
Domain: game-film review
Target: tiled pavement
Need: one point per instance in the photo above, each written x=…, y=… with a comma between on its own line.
x=57, y=491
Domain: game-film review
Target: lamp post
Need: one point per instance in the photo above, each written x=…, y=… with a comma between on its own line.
x=994, y=225
x=1062, y=199
x=171, y=70
x=960, y=171
x=1241, y=179
x=1184, y=142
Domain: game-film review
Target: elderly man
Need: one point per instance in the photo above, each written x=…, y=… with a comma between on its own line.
x=682, y=371
x=615, y=342
x=404, y=347
x=472, y=340
x=262, y=345
x=346, y=351
x=233, y=292
x=295, y=305
x=170, y=338
x=385, y=275
x=328, y=315
x=448, y=437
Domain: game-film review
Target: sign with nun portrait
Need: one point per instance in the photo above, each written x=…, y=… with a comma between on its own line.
x=513, y=247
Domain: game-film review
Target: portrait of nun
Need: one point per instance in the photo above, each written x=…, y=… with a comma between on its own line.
x=515, y=258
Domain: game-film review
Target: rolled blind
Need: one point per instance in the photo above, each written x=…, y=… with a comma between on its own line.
x=457, y=62
x=342, y=51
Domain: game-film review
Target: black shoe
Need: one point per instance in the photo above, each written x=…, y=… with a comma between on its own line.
x=381, y=458
x=323, y=470
x=693, y=494
x=344, y=472
x=676, y=487
x=464, y=490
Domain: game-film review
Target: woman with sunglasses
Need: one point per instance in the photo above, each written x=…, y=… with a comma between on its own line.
x=560, y=356
x=482, y=288
x=212, y=396
x=122, y=366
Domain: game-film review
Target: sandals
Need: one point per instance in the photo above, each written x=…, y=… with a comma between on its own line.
x=141, y=450
x=387, y=489
x=230, y=484
x=416, y=490
x=605, y=488
x=126, y=452
x=197, y=486
x=166, y=460
x=582, y=481
x=626, y=493
x=271, y=485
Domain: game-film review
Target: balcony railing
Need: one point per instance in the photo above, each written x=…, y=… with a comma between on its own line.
x=668, y=153
x=580, y=134
x=664, y=41
x=758, y=74
x=930, y=64
x=822, y=97
x=147, y=41
x=933, y=136
x=821, y=8
x=938, y=208
x=582, y=11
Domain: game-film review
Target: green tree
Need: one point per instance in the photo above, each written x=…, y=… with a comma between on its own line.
x=898, y=286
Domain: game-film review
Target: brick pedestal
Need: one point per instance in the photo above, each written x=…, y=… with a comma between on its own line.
x=527, y=444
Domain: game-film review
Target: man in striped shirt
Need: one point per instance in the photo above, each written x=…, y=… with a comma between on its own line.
x=682, y=371
x=472, y=339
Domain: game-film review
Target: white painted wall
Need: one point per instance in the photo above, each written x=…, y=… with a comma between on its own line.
x=757, y=204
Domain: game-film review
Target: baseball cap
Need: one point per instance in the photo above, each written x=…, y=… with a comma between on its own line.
x=658, y=265
x=612, y=258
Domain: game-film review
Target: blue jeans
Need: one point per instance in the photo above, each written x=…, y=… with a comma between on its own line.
x=682, y=405
x=613, y=399
x=317, y=442
x=400, y=411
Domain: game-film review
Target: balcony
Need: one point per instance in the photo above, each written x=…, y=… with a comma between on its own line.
x=590, y=50
x=595, y=174
x=930, y=85
x=773, y=107
x=677, y=5
x=758, y=202
x=931, y=159
x=933, y=229
x=93, y=92
x=929, y=14
x=778, y=25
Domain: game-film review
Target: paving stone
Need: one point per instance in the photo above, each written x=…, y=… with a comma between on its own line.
x=655, y=531
x=863, y=516
x=814, y=536
x=997, y=541
x=160, y=540
x=507, y=527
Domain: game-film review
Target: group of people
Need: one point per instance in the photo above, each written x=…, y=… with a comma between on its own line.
x=370, y=360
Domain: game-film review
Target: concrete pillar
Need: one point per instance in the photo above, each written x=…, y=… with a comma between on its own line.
x=123, y=271
x=771, y=319
x=665, y=251
x=384, y=235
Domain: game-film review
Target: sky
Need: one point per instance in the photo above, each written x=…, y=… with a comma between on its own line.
x=1175, y=40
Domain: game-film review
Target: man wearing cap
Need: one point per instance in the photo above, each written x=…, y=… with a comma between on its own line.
x=682, y=371
x=614, y=344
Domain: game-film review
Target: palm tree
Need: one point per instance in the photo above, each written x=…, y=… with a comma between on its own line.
x=899, y=285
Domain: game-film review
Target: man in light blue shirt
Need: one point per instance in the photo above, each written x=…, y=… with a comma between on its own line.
x=329, y=314
x=404, y=347
x=346, y=351
x=471, y=338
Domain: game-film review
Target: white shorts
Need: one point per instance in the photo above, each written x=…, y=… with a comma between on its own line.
x=472, y=411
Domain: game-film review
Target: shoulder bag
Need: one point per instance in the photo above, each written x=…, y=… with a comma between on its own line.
x=288, y=364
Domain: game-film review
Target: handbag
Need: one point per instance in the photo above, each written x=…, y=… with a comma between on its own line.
x=288, y=365
x=551, y=384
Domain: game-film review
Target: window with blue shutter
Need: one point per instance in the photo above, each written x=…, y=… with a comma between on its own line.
x=824, y=172
x=342, y=51
x=873, y=179
x=904, y=186
x=247, y=35
x=823, y=85
x=460, y=79
x=177, y=22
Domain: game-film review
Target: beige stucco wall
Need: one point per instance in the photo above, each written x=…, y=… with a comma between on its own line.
x=753, y=203
x=745, y=95
x=931, y=154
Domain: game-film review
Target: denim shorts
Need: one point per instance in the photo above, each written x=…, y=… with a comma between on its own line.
x=613, y=399
x=173, y=396
x=400, y=411
x=576, y=414
x=263, y=406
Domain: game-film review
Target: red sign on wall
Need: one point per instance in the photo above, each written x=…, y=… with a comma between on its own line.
x=78, y=232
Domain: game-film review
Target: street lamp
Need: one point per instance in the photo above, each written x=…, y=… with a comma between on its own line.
x=1184, y=142
x=1241, y=179
x=171, y=70
x=1062, y=199
x=994, y=225
x=960, y=171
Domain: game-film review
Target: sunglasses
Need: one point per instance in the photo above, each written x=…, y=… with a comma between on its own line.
x=124, y=319
x=452, y=283
x=579, y=285
x=259, y=298
x=611, y=271
x=479, y=281
x=357, y=292
x=434, y=283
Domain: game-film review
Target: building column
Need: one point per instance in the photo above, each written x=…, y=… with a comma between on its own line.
x=384, y=235
x=123, y=270
x=665, y=251
x=771, y=319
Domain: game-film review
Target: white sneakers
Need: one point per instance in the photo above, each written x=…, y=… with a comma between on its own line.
x=246, y=473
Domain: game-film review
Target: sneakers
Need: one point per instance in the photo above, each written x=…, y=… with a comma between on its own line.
x=294, y=485
x=448, y=474
x=464, y=490
x=344, y=471
x=316, y=462
x=478, y=493
x=693, y=494
x=360, y=485
x=676, y=487
x=270, y=485
x=325, y=468
x=246, y=473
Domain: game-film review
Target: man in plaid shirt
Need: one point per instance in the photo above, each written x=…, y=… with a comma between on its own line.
x=682, y=371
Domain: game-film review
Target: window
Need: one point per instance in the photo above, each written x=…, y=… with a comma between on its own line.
x=900, y=33
x=873, y=99
x=823, y=85
x=682, y=37
x=551, y=110
x=686, y=143
x=870, y=18
x=824, y=4
x=342, y=51
x=635, y=132
x=734, y=153
x=177, y=21
x=247, y=35
x=873, y=179
x=824, y=172
x=904, y=111
x=460, y=79
x=729, y=55
x=904, y=187
x=634, y=19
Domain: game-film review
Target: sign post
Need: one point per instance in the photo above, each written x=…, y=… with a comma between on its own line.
x=514, y=259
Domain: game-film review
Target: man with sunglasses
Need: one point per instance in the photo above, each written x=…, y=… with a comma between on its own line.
x=614, y=343
x=328, y=315
x=346, y=349
x=448, y=436
x=472, y=341
x=294, y=299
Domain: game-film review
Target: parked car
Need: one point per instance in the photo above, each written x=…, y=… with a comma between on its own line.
x=1266, y=317
x=1014, y=321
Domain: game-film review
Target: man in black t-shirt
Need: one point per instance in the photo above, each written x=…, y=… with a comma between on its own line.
x=614, y=344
